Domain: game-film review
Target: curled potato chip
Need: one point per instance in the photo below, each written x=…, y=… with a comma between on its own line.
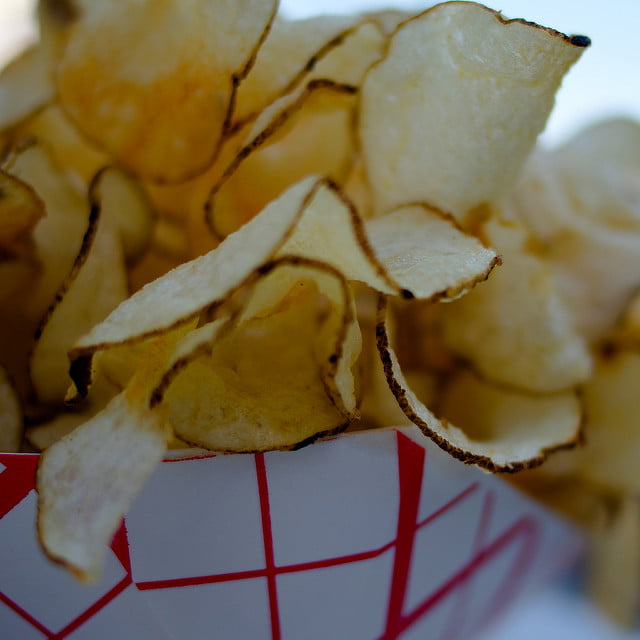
x=87, y=480
x=279, y=375
x=276, y=154
x=58, y=235
x=159, y=107
x=463, y=94
x=515, y=328
x=10, y=415
x=488, y=413
x=291, y=50
x=499, y=447
x=96, y=284
x=313, y=221
x=42, y=435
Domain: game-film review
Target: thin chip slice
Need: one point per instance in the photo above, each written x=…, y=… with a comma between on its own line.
x=153, y=83
x=278, y=376
x=515, y=328
x=45, y=434
x=292, y=49
x=276, y=154
x=490, y=414
x=310, y=220
x=10, y=415
x=58, y=235
x=26, y=85
x=96, y=284
x=503, y=451
x=90, y=478
x=70, y=149
x=463, y=94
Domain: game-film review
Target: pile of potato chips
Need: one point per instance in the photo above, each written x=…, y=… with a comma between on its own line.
x=223, y=229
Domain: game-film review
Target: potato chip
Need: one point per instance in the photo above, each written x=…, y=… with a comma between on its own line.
x=26, y=85
x=10, y=415
x=20, y=210
x=313, y=221
x=463, y=94
x=488, y=413
x=581, y=203
x=276, y=156
x=515, y=329
x=291, y=49
x=159, y=107
x=42, y=435
x=609, y=457
x=69, y=148
x=280, y=376
x=499, y=447
x=89, y=479
x=58, y=235
x=612, y=574
x=96, y=284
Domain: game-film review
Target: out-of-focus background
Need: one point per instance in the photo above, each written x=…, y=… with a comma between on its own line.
x=605, y=82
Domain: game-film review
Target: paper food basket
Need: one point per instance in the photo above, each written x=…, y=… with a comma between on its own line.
x=370, y=535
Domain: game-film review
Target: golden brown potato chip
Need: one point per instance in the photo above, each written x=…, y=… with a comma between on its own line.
x=153, y=83
x=581, y=202
x=58, y=235
x=610, y=455
x=291, y=50
x=463, y=94
x=499, y=448
x=96, y=284
x=313, y=221
x=20, y=211
x=88, y=480
x=488, y=413
x=515, y=329
x=280, y=375
x=26, y=85
x=69, y=148
x=276, y=154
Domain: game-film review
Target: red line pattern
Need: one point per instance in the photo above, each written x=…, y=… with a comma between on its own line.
x=411, y=466
x=267, y=535
x=17, y=480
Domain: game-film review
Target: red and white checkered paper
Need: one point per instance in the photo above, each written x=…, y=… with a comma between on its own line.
x=371, y=536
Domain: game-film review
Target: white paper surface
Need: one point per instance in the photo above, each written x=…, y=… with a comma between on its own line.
x=368, y=536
